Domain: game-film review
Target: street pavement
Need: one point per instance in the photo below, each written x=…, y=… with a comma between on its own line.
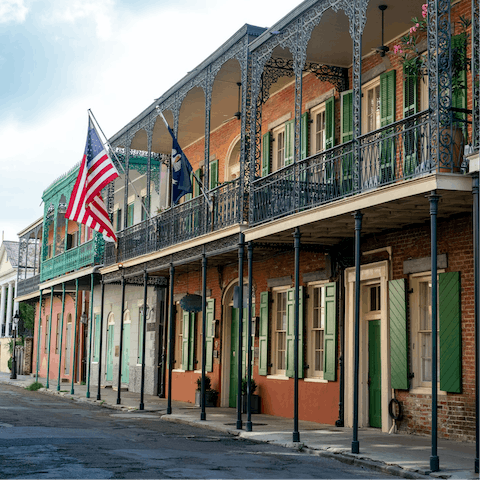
x=383, y=454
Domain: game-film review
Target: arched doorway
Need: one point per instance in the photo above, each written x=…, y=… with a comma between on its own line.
x=68, y=344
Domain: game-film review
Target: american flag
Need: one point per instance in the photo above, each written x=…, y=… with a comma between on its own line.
x=96, y=171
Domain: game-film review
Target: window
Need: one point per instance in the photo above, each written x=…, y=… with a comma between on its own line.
x=279, y=148
x=140, y=336
x=130, y=213
x=143, y=205
x=96, y=335
x=371, y=106
x=280, y=333
x=118, y=219
x=374, y=298
x=57, y=334
x=45, y=347
x=317, y=331
x=319, y=130
x=179, y=338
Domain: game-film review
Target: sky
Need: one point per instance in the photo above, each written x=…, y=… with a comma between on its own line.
x=58, y=58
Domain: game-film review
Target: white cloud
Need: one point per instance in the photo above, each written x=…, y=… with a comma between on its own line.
x=100, y=11
x=12, y=11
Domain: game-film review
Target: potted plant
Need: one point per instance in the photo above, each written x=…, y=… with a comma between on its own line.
x=211, y=395
x=254, y=399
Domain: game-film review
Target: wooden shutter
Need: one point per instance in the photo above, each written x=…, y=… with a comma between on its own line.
x=387, y=98
x=304, y=136
x=346, y=182
x=330, y=123
x=450, y=332
x=196, y=185
x=266, y=153
x=263, y=334
x=210, y=334
x=291, y=334
x=185, y=340
x=289, y=141
x=213, y=174
x=330, y=333
x=347, y=116
x=398, y=334
x=97, y=338
x=191, y=342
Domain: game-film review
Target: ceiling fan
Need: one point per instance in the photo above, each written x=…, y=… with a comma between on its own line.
x=382, y=49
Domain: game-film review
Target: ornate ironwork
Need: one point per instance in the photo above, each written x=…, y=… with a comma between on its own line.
x=476, y=73
x=29, y=285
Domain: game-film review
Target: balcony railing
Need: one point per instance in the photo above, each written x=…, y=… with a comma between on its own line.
x=28, y=285
x=179, y=224
x=397, y=152
x=69, y=261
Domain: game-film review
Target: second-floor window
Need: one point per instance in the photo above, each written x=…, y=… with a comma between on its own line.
x=279, y=148
x=130, y=213
x=371, y=106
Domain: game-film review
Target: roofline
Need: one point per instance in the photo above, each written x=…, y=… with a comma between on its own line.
x=247, y=29
x=36, y=223
x=282, y=23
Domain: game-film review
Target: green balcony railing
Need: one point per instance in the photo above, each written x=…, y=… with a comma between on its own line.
x=69, y=261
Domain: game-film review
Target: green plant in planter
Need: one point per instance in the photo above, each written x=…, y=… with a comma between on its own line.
x=253, y=386
x=208, y=383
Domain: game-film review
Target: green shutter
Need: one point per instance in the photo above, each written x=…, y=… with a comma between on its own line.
x=330, y=333
x=263, y=335
x=346, y=180
x=450, y=332
x=266, y=153
x=196, y=185
x=210, y=334
x=213, y=174
x=387, y=98
x=304, y=136
x=191, y=342
x=289, y=141
x=130, y=211
x=410, y=107
x=387, y=116
x=347, y=116
x=291, y=334
x=245, y=339
x=185, y=340
x=398, y=334
x=97, y=338
x=330, y=123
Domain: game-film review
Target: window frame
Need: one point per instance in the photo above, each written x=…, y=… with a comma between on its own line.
x=274, y=371
x=311, y=373
x=371, y=85
x=278, y=132
x=319, y=109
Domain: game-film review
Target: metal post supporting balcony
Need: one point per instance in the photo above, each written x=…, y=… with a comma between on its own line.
x=102, y=305
x=144, y=337
x=122, y=312
x=61, y=339
x=358, y=231
x=39, y=335
x=241, y=249
x=203, y=414
x=249, y=337
x=90, y=328
x=296, y=433
x=433, y=198
x=476, y=280
x=49, y=338
x=72, y=390
x=171, y=341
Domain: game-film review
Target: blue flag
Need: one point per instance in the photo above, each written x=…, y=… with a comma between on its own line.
x=181, y=170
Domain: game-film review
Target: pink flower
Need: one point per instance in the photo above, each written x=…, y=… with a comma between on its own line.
x=424, y=10
x=417, y=25
x=413, y=29
x=396, y=49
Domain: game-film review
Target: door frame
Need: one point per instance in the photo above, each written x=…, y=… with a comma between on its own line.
x=373, y=273
x=110, y=323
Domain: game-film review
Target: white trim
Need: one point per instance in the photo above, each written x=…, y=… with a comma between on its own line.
x=314, y=380
x=277, y=377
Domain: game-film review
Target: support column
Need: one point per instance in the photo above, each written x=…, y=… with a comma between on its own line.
x=144, y=337
x=102, y=302
x=49, y=338
x=2, y=309
x=296, y=433
x=61, y=339
x=8, y=331
x=203, y=414
x=358, y=231
x=122, y=313
x=90, y=332
x=39, y=335
x=433, y=199
x=75, y=326
x=476, y=281
x=15, y=304
x=249, y=336
x=171, y=343
x=241, y=248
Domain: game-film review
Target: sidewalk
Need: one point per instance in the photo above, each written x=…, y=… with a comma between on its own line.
x=407, y=456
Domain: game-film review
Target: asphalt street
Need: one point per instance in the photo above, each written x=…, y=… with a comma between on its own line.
x=54, y=437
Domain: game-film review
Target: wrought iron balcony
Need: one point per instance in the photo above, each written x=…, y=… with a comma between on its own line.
x=28, y=285
x=397, y=152
x=179, y=224
x=70, y=261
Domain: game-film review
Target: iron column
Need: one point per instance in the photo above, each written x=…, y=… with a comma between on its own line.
x=249, y=336
x=144, y=328
x=102, y=300
x=122, y=312
x=241, y=249
x=433, y=198
x=476, y=281
x=61, y=338
x=72, y=390
x=49, y=337
x=89, y=364
x=170, y=341
x=296, y=433
x=39, y=335
x=358, y=231
x=203, y=414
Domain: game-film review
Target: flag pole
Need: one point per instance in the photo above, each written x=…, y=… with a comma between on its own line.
x=92, y=116
x=207, y=198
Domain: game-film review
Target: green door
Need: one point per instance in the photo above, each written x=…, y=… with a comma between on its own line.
x=126, y=353
x=374, y=375
x=232, y=402
x=110, y=347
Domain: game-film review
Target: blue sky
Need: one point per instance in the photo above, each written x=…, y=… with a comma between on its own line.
x=59, y=58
